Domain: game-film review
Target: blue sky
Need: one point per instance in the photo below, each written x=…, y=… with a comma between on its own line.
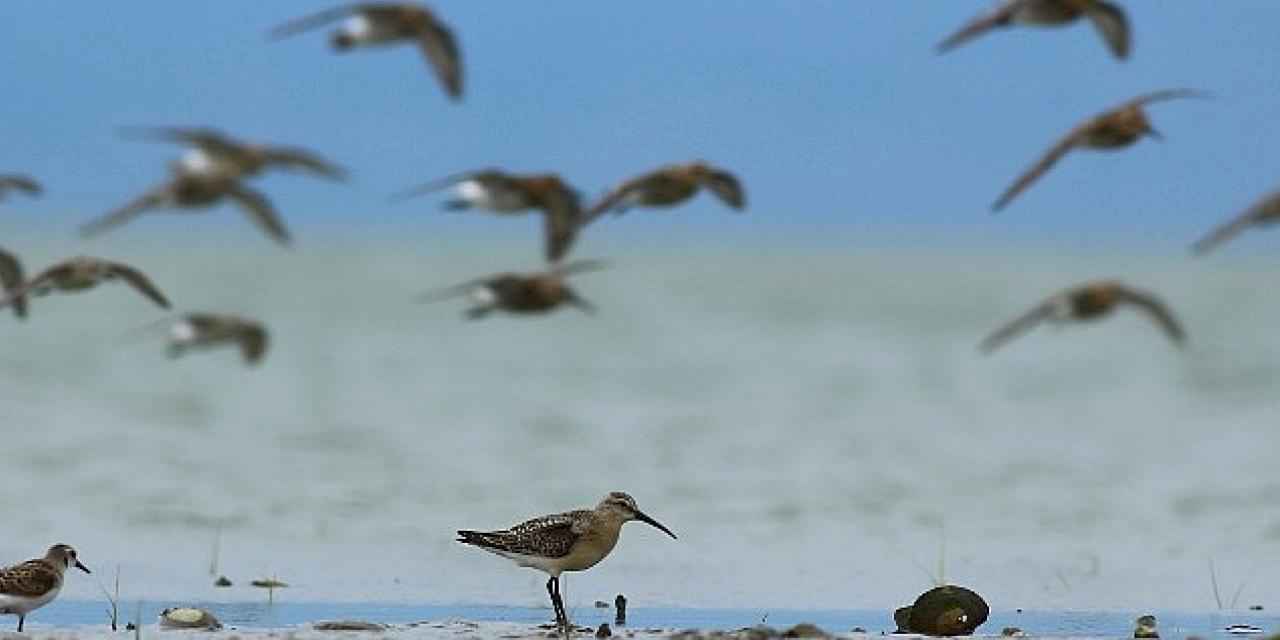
x=837, y=114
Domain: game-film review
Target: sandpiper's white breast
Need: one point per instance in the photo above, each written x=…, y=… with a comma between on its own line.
x=197, y=161
x=362, y=30
x=23, y=604
x=182, y=332
x=487, y=197
x=483, y=295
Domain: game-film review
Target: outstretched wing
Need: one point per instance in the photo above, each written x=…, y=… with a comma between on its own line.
x=1268, y=210
x=1113, y=25
x=499, y=281
x=253, y=339
x=482, y=175
x=140, y=282
x=581, y=266
x=1042, y=166
x=260, y=211
x=305, y=160
x=441, y=49
x=306, y=23
x=997, y=17
x=615, y=200
x=12, y=280
x=1157, y=311
x=1020, y=325
x=562, y=217
x=149, y=200
x=203, y=137
x=1162, y=95
x=21, y=183
x=726, y=187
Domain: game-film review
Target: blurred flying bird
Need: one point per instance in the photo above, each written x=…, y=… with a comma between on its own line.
x=520, y=293
x=195, y=192
x=12, y=280
x=506, y=193
x=1107, y=17
x=208, y=330
x=214, y=153
x=19, y=183
x=1088, y=301
x=1264, y=213
x=381, y=23
x=81, y=274
x=1114, y=129
x=669, y=186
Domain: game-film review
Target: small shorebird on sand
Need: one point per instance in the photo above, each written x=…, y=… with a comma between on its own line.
x=521, y=293
x=213, y=153
x=1108, y=18
x=11, y=279
x=208, y=330
x=1114, y=129
x=1262, y=214
x=1088, y=301
x=381, y=23
x=19, y=183
x=571, y=541
x=28, y=586
x=83, y=273
x=672, y=185
x=193, y=191
x=505, y=193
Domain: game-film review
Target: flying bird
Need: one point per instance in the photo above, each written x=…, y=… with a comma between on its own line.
x=208, y=330
x=1110, y=130
x=1085, y=302
x=214, y=153
x=11, y=279
x=382, y=23
x=192, y=191
x=506, y=193
x=1262, y=214
x=81, y=274
x=669, y=186
x=520, y=293
x=1107, y=17
x=24, y=184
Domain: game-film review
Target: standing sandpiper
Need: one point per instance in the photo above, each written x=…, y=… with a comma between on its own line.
x=571, y=541
x=28, y=586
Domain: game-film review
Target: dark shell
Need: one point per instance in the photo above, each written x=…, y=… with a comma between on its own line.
x=947, y=611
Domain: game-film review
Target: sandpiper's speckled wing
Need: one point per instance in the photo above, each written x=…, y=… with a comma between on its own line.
x=315, y=20
x=31, y=579
x=24, y=184
x=139, y=281
x=1267, y=211
x=550, y=536
x=489, y=178
x=1112, y=24
x=562, y=218
x=727, y=187
x=1041, y=167
x=1022, y=324
x=260, y=211
x=53, y=273
x=997, y=17
x=1155, y=309
x=250, y=336
x=440, y=47
x=11, y=278
x=156, y=197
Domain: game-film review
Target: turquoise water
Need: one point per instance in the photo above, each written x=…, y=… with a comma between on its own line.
x=815, y=424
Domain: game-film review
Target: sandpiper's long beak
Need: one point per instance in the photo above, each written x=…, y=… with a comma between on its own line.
x=640, y=515
x=81, y=567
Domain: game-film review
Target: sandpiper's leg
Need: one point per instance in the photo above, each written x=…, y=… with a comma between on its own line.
x=553, y=588
x=21, y=619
